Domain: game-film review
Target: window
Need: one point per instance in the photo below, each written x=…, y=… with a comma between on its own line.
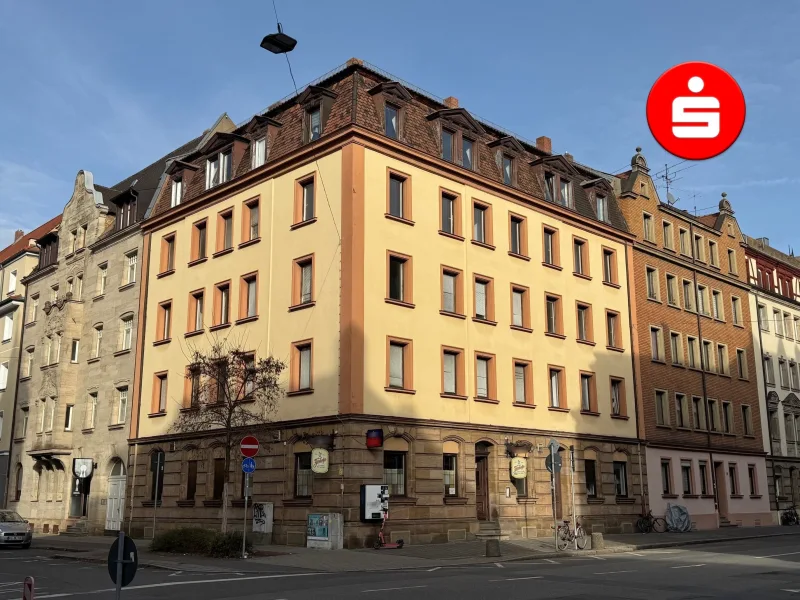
x=713, y=255
x=520, y=307
x=56, y=348
x=485, y=387
x=196, y=307
x=3, y=375
x=797, y=328
x=732, y=262
x=703, y=469
x=453, y=372
x=590, y=467
x=302, y=357
x=708, y=357
x=130, y=273
x=177, y=192
x=451, y=292
x=23, y=428
x=588, y=393
x=686, y=477
x=751, y=476
x=450, y=213
x=713, y=420
x=699, y=250
x=522, y=382
x=747, y=420
x=164, y=321
x=549, y=187
x=303, y=284
x=763, y=321
x=33, y=308
x=722, y=360
x=787, y=325
x=621, y=478
x=98, y=340
x=768, y=370
x=602, y=208
x=482, y=223
x=78, y=287
x=448, y=138
x=550, y=242
x=314, y=116
x=669, y=242
x=70, y=285
x=394, y=472
x=795, y=378
x=73, y=239
x=225, y=230
x=776, y=318
x=218, y=483
x=248, y=296
x=12, y=281
x=251, y=221
x=651, y=276
x=304, y=476
x=102, y=273
x=398, y=201
x=73, y=354
x=305, y=200
x=122, y=404
x=518, y=235
x=736, y=310
x=688, y=295
x=657, y=344
x=191, y=479
x=716, y=305
x=683, y=236
x=662, y=408
x=91, y=411
x=160, y=392
x=555, y=324
x=68, y=417
x=783, y=369
x=618, y=404
x=508, y=169
x=259, y=149
x=585, y=329
x=222, y=303
x=727, y=417
x=647, y=228
x=218, y=169
x=449, y=474
x=681, y=410
x=126, y=337
x=702, y=299
x=733, y=478
x=484, y=298
x=676, y=347
x=558, y=397
x=613, y=332
x=8, y=327
x=580, y=258
x=400, y=281
x=390, y=118
x=199, y=240
x=193, y=387
x=27, y=366
x=400, y=364
x=609, y=266
x=666, y=477
x=467, y=153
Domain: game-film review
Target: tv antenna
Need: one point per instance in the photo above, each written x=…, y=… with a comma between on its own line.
x=669, y=178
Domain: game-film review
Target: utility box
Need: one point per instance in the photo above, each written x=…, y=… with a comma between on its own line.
x=374, y=500
x=325, y=531
x=262, y=522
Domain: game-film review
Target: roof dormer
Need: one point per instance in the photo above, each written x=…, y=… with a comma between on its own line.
x=180, y=175
x=316, y=102
x=223, y=152
x=391, y=99
x=263, y=130
x=558, y=176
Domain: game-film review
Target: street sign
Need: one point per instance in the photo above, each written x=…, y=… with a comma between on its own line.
x=553, y=445
x=249, y=446
x=550, y=461
x=248, y=465
x=28, y=589
x=129, y=557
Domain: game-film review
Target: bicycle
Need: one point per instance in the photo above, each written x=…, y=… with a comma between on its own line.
x=649, y=523
x=789, y=516
x=565, y=535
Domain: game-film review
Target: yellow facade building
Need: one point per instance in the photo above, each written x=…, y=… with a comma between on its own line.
x=423, y=274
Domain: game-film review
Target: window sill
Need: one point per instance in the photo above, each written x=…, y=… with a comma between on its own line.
x=483, y=245
x=658, y=361
x=736, y=496
x=189, y=334
x=455, y=500
x=678, y=366
x=551, y=266
x=740, y=326
x=151, y=503
x=519, y=256
x=162, y=342
x=299, y=501
x=590, y=413
x=248, y=243
x=447, y=313
x=402, y=220
x=675, y=306
x=98, y=297
x=453, y=236
x=612, y=284
x=244, y=320
x=656, y=300
x=691, y=496
x=522, y=329
x=662, y=426
x=47, y=367
x=197, y=261
x=19, y=440
x=484, y=321
x=238, y=503
x=527, y=500
x=24, y=379
x=295, y=307
x=157, y=414
x=625, y=500
x=127, y=286
x=402, y=303
x=184, y=409
x=222, y=252
x=620, y=417
x=212, y=503
x=220, y=326
x=116, y=426
x=87, y=430
x=29, y=324
x=523, y=405
x=755, y=496
x=559, y=336
x=485, y=400
x=397, y=390
x=595, y=500
x=93, y=360
x=586, y=342
x=165, y=274
x=303, y=223
x=122, y=352
x=305, y=392
x=452, y=396
x=582, y=276
x=615, y=349
x=670, y=496
x=184, y=503
x=558, y=409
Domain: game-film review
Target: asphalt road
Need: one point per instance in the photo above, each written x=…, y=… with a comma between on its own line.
x=763, y=568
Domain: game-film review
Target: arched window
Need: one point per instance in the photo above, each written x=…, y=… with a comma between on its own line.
x=18, y=484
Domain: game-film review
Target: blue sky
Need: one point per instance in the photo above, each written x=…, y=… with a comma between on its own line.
x=111, y=86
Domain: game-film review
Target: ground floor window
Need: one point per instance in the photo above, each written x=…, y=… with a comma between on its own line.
x=449, y=474
x=219, y=478
x=621, y=478
x=394, y=472
x=751, y=474
x=591, y=478
x=157, y=474
x=304, y=477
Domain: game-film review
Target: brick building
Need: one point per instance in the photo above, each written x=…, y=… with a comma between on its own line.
x=699, y=395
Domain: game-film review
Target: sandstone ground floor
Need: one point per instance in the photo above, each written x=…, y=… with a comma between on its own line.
x=716, y=488
x=446, y=482
x=783, y=474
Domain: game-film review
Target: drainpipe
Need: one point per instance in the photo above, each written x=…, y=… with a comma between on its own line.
x=16, y=396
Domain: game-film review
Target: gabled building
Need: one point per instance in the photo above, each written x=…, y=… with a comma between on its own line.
x=425, y=275
x=774, y=299
x=16, y=261
x=698, y=407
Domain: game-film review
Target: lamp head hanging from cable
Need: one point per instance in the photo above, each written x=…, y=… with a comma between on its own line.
x=278, y=43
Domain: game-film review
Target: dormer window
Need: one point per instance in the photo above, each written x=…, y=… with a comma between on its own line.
x=314, y=123
x=259, y=152
x=448, y=137
x=602, y=208
x=557, y=190
x=218, y=169
x=565, y=195
x=549, y=187
x=126, y=214
x=391, y=117
x=467, y=153
x=508, y=169
x=177, y=192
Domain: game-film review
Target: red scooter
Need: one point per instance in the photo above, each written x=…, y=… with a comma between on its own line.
x=381, y=541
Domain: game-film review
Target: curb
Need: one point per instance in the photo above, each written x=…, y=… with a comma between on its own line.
x=151, y=565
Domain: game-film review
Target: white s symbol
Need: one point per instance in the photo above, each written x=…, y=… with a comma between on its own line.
x=709, y=127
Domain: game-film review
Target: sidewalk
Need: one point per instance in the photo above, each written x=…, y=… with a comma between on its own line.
x=428, y=556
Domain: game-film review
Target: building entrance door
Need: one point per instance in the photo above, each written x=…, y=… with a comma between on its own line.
x=115, y=504
x=722, y=489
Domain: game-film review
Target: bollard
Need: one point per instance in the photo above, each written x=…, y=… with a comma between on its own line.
x=492, y=547
x=598, y=543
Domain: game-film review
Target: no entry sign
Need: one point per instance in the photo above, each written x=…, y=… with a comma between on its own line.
x=249, y=446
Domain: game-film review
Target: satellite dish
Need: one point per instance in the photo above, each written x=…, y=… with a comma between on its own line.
x=671, y=199
x=134, y=182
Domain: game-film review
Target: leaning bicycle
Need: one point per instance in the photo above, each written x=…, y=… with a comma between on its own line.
x=565, y=536
x=789, y=516
x=649, y=523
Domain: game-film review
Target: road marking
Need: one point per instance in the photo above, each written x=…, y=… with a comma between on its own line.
x=614, y=572
x=409, y=587
x=688, y=566
x=664, y=551
x=634, y=554
x=550, y=560
x=499, y=566
x=774, y=555
x=175, y=574
x=792, y=591
x=174, y=583
x=434, y=569
x=597, y=557
x=515, y=579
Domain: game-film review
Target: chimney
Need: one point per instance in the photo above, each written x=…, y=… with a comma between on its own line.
x=544, y=144
x=764, y=241
x=18, y=234
x=451, y=102
x=568, y=156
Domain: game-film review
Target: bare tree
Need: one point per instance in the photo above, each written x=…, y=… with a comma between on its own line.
x=231, y=392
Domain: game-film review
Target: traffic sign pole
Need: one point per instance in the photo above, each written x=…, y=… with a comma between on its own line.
x=244, y=527
x=121, y=557
x=572, y=490
x=553, y=487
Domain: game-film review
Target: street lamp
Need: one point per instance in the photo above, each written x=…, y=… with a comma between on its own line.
x=278, y=43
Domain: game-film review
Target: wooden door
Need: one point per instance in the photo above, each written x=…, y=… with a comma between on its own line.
x=482, y=487
x=115, y=502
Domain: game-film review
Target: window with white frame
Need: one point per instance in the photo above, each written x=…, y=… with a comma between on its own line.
x=91, y=411
x=122, y=404
x=602, y=208
x=12, y=281
x=130, y=271
x=33, y=308
x=177, y=192
x=102, y=274
x=27, y=365
x=68, y=417
x=126, y=337
x=259, y=152
x=8, y=327
x=98, y=340
x=73, y=355
x=218, y=169
x=3, y=375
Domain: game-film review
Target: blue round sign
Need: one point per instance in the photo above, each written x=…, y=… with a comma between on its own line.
x=249, y=465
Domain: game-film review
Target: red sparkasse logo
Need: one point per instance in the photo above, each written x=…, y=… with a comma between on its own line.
x=696, y=110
